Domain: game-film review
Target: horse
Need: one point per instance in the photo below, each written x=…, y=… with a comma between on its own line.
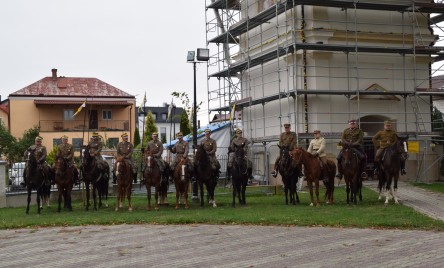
x=164, y=185
x=182, y=177
x=390, y=167
x=64, y=178
x=93, y=175
x=313, y=173
x=240, y=174
x=124, y=183
x=289, y=172
x=205, y=175
x=153, y=178
x=34, y=179
x=352, y=168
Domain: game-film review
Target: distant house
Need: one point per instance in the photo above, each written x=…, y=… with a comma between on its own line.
x=52, y=102
x=4, y=114
x=166, y=127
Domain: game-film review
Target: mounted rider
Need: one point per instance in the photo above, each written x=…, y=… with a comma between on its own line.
x=354, y=137
x=65, y=151
x=155, y=147
x=210, y=148
x=317, y=148
x=181, y=149
x=40, y=154
x=238, y=140
x=287, y=138
x=125, y=151
x=382, y=140
x=95, y=146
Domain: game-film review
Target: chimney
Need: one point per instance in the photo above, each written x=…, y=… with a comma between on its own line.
x=54, y=74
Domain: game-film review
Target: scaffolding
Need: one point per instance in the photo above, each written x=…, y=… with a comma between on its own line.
x=316, y=64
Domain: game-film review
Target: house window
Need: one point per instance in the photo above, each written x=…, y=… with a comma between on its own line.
x=56, y=142
x=68, y=114
x=107, y=115
x=112, y=142
x=164, y=116
x=77, y=143
x=154, y=116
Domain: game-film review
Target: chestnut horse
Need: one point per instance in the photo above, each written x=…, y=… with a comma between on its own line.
x=313, y=173
x=93, y=175
x=152, y=177
x=124, y=181
x=34, y=179
x=289, y=172
x=352, y=168
x=388, y=174
x=64, y=178
x=205, y=175
x=182, y=177
x=240, y=174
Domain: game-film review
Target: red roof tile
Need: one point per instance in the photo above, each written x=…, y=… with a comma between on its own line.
x=4, y=108
x=71, y=86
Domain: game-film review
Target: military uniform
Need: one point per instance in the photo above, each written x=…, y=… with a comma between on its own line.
x=155, y=147
x=181, y=150
x=317, y=148
x=239, y=141
x=95, y=149
x=353, y=136
x=66, y=151
x=285, y=139
x=210, y=148
x=125, y=150
x=40, y=154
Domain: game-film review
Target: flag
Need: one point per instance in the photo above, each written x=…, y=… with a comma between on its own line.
x=170, y=108
x=80, y=108
x=142, y=105
x=232, y=114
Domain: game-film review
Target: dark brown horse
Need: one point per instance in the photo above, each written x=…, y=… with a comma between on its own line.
x=351, y=165
x=240, y=174
x=289, y=171
x=34, y=179
x=205, y=175
x=152, y=177
x=182, y=177
x=124, y=183
x=388, y=174
x=313, y=173
x=93, y=175
x=64, y=178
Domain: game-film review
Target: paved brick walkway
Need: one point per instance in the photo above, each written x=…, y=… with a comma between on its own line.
x=229, y=246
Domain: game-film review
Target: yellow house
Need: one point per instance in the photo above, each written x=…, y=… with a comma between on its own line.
x=72, y=106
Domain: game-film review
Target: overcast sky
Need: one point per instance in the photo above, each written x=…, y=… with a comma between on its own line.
x=134, y=45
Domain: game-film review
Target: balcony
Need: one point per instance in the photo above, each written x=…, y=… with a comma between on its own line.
x=80, y=125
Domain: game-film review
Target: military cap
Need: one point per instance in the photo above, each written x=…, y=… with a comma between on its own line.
x=238, y=131
x=352, y=121
x=124, y=135
x=316, y=131
x=38, y=138
x=387, y=123
x=95, y=135
x=207, y=130
x=64, y=137
x=179, y=134
x=155, y=134
x=286, y=125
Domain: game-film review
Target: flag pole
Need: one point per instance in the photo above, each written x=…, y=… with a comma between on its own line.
x=143, y=137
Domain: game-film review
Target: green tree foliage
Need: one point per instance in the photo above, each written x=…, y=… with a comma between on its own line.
x=150, y=128
x=136, y=137
x=185, y=126
x=183, y=97
x=6, y=140
x=50, y=158
x=14, y=149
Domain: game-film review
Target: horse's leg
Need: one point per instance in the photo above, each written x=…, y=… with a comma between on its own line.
x=234, y=182
x=185, y=194
x=156, y=196
x=59, y=199
x=318, y=201
x=148, y=192
x=94, y=195
x=39, y=193
x=347, y=189
x=118, y=198
x=212, y=185
x=388, y=185
x=68, y=197
x=128, y=195
x=355, y=188
x=29, y=197
x=239, y=190
x=244, y=188
x=177, y=194
x=395, y=187
x=286, y=193
x=310, y=188
x=201, y=194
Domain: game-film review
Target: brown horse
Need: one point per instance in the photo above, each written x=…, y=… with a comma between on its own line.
x=93, y=175
x=34, y=179
x=351, y=165
x=289, y=172
x=182, y=177
x=64, y=178
x=313, y=172
x=152, y=177
x=205, y=175
x=391, y=164
x=124, y=183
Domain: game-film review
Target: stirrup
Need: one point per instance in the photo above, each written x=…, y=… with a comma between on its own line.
x=403, y=171
x=274, y=173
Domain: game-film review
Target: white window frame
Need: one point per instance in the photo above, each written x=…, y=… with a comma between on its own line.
x=68, y=114
x=107, y=114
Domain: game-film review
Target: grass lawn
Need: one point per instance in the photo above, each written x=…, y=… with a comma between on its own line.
x=434, y=187
x=264, y=207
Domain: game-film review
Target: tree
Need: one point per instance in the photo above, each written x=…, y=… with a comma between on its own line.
x=183, y=97
x=185, y=123
x=136, y=137
x=6, y=140
x=150, y=127
x=14, y=149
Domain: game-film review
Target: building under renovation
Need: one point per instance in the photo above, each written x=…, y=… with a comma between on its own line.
x=316, y=64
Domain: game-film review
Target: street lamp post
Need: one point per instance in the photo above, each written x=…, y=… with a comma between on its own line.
x=203, y=55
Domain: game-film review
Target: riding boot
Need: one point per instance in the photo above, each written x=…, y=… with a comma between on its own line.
x=363, y=174
x=403, y=168
x=76, y=176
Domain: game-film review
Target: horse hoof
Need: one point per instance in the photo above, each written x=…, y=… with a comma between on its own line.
x=311, y=204
x=130, y=209
x=116, y=209
x=177, y=207
x=214, y=205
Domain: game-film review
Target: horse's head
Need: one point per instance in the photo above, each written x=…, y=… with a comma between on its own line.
x=402, y=146
x=31, y=159
x=183, y=170
x=239, y=151
x=149, y=159
x=201, y=155
x=60, y=166
x=297, y=155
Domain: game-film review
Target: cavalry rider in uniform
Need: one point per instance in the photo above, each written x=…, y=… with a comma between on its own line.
x=287, y=138
x=180, y=149
x=65, y=150
x=317, y=148
x=239, y=141
x=125, y=150
x=210, y=148
x=382, y=140
x=40, y=154
x=155, y=147
x=354, y=137
x=95, y=147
